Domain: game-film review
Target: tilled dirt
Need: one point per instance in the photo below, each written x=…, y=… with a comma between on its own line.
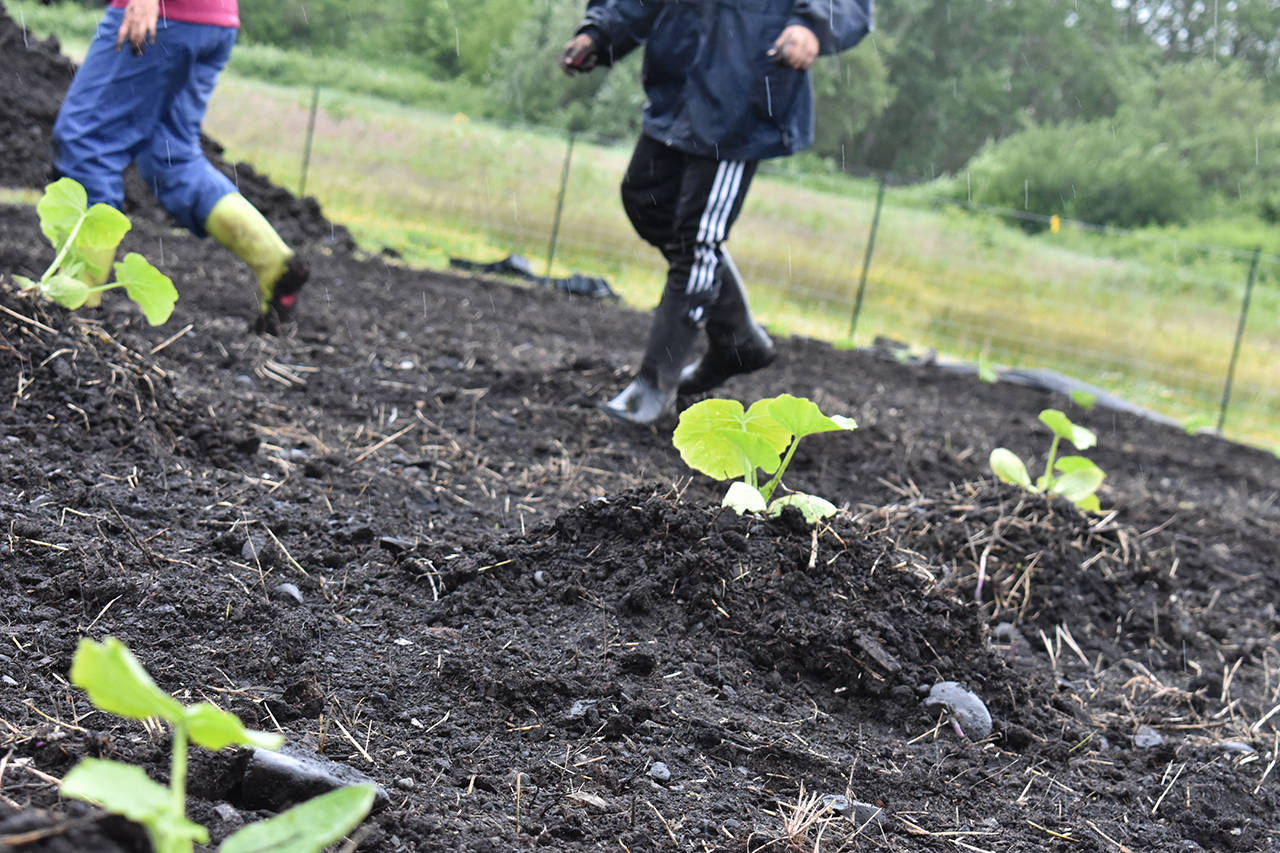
x=407, y=539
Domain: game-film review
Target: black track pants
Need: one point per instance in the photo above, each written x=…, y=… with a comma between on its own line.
x=685, y=205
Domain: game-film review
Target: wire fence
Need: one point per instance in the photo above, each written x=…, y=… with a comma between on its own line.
x=1188, y=331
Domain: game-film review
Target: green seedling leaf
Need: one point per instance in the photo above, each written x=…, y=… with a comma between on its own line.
x=60, y=209
x=1084, y=399
x=760, y=421
x=1079, y=481
x=24, y=282
x=147, y=286
x=1062, y=427
x=803, y=417
x=99, y=236
x=1068, y=464
x=215, y=729
x=800, y=417
x=117, y=683
x=126, y=790
x=1009, y=468
x=103, y=228
x=1089, y=503
x=986, y=372
x=66, y=291
x=306, y=828
x=756, y=450
x=812, y=507
x=743, y=498
x=119, y=788
x=722, y=440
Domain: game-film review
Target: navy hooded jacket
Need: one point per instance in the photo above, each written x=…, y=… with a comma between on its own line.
x=712, y=89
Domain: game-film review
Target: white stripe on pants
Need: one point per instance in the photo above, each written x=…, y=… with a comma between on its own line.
x=711, y=228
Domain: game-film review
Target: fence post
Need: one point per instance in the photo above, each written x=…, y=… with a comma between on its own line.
x=1235, y=350
x=311, y=130
x=866, y=261
x=560, y=205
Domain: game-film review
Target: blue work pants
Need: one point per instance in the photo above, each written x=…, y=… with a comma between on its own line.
x=147, y=109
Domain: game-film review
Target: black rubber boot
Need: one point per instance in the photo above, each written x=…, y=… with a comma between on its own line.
x=736, y=343
x=677, y=321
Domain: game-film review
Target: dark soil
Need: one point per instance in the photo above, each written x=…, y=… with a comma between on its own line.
x=512, y=608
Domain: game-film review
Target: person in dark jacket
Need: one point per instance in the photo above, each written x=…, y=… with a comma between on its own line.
x=728, y=86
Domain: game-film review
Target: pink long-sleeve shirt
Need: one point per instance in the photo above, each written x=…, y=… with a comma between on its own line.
x=218, y=13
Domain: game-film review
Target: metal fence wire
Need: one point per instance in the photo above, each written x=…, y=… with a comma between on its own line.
x=1191, y=331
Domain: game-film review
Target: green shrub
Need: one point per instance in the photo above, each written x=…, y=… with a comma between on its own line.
x=1088, y=172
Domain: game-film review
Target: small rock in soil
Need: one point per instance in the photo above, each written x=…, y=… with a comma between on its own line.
x=837, y=803
x=579, y=709
x=1008, y=634
x=406, y=783
x=963, y=706
x=865, y=813
x=659, y=772
x=287, y=590
x=540, y=578
x=397, y=544
x=1147, y=738
x=583, y=798
x=227, y=813
x=278, y=780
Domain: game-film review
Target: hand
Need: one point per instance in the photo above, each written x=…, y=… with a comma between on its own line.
x=579, y=55
x=139, y=25
x=796, y=48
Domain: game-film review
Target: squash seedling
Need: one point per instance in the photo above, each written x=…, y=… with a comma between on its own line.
x=723, y=440
x=1075, y=478
x=117, y=683
x=85, y=240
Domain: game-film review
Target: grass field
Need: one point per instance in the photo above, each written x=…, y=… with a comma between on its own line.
x=1131, y=313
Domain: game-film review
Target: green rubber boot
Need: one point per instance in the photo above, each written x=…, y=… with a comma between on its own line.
x=236, y=224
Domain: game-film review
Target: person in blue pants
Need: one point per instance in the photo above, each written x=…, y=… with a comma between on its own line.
x=728, y=86
x=145, y=105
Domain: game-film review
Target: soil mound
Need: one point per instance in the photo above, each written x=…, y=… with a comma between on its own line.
x=34, y=75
